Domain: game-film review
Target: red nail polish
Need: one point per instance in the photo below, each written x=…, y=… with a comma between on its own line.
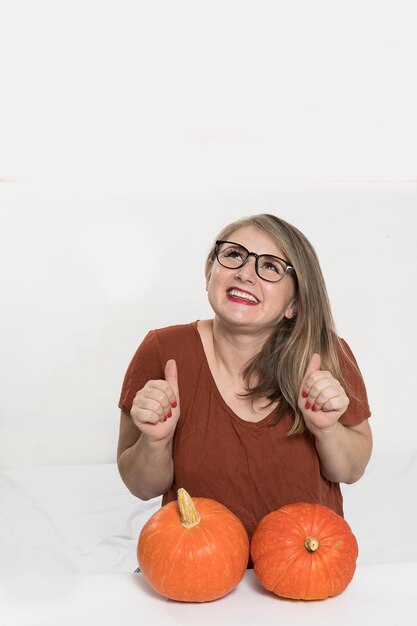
x=308, y=405
x=165, y=418
x=169, y=414
x=313, y=408
x=305, y=394
x=173, y=404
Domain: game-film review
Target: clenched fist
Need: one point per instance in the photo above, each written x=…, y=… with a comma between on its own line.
x=156, y=407
x=321, y=399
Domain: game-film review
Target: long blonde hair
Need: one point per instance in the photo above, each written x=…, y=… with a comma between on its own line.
x=280, y=366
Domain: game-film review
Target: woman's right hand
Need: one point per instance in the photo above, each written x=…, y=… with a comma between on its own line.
x=156, y=407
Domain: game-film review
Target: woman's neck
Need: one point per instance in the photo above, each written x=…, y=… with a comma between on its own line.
x=234, y=348
x=228, y=353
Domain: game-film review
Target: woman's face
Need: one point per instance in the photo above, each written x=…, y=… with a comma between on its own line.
x=240, y=296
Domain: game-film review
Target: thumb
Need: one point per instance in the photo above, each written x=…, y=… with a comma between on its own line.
x=171, y=376
x=313, y=364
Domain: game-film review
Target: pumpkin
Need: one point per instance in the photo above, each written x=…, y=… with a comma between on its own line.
x=193, y=549
x=304, y=551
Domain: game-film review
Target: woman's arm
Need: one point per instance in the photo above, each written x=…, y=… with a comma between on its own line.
x=344, y=451
x=144, y=453
x=145, y=465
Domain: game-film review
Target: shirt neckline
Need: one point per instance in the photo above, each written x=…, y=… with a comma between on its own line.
x=235, y=416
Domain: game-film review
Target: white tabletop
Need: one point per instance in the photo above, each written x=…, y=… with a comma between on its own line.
x=380, y=594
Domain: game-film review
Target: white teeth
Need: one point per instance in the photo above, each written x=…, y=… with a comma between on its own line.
x=242, y=294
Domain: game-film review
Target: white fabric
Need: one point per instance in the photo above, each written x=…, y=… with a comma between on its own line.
x=381, y=594
x=71, y=519
x=71, y=523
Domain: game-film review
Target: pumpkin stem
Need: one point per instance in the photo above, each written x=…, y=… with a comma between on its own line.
x=189, y=515
x=311, y=544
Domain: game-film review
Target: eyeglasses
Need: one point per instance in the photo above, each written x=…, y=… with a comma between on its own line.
x=267, y=266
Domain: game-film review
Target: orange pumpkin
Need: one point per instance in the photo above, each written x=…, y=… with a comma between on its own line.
x=193, y=550
x=304, y=551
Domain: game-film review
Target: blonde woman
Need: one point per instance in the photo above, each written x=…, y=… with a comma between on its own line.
x=261, y=406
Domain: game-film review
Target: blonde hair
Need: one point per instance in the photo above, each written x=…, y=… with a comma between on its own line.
x=280, y=366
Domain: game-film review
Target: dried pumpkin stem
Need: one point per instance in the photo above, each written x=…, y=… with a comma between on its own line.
x=311, y=544
x=189, y=515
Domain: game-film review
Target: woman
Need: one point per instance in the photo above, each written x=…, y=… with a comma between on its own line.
x=259, y=407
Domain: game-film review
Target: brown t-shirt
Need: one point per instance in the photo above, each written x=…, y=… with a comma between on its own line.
x=252, y=468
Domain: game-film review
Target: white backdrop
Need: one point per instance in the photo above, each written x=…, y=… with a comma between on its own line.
x=132, y=128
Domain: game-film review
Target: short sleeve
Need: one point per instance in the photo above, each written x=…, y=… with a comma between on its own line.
x=354, y=385
x=145, y=365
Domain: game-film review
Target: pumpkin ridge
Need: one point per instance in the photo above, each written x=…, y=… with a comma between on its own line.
x=283, y=575
x=332, y=526
x=233, y=554
x=323, y=565
x=344, y=539
x=336, y=570
x=262, y=564
x=177, y=546
x=259, y=568
x=306, y=593
x=300, y=525
x=330, y=574
x=296, y=563
x=208, y=534
x=287, y=541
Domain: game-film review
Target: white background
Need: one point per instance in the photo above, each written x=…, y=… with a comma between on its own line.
x=131, y=132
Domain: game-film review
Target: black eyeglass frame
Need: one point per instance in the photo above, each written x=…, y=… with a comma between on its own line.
x=288, y=265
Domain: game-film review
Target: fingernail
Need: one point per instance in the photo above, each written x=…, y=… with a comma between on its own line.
x=169, y=414
x=313, y=408
x=165, y=418
x=173, y=404
x=308, y=405
x=305, y=394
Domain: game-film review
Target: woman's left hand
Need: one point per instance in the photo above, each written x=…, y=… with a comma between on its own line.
x=322, y=399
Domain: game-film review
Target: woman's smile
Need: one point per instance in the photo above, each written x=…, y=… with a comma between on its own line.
x=241, y=296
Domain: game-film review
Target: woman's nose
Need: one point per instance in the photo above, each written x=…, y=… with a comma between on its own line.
x=247, y=272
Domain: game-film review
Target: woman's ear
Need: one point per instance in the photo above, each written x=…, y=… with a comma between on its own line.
x=209, y=266
x=291, y=310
